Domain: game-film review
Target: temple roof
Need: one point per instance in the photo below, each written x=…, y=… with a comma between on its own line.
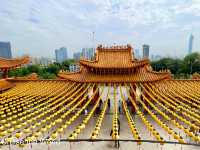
x=4, y=85
x=142, y=75
x=12, y=63
x=114, y=57
x=114, y=64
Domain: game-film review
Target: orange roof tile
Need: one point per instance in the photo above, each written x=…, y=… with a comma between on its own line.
x=114, y=57
x=4, y=85
x=10, y=63
x=140, y=76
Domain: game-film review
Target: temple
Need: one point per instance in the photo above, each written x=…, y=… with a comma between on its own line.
x=115, y=64
x=9, y=64
x=113, y=91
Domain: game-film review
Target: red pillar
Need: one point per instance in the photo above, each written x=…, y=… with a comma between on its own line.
x=96, y=96
x=144, y=101
x=132, y=93
x=5, y=73
x=133, y=96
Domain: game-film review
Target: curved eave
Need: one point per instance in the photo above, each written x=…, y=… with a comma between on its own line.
x=145, y=77
x=13, y=63
x=133, y=64
x=4, y=85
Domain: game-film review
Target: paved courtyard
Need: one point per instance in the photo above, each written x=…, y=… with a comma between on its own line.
x=125, y=133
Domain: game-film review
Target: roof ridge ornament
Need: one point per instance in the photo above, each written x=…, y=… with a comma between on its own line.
x=114, y=47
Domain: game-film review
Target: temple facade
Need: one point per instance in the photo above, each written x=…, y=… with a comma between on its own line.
x=115, y=64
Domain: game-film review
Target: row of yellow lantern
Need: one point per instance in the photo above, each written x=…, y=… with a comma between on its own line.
x=97, y=128
x=193, y=94
x=189, y=111
x=68, y=122
x=12, y=92
x=195, y=138
x=180, y=93
x=175, y=106
x=146, y=122
x=37, y=133
x=60, y=119
x=130, y=119
x=172, y=112
x=34, y=113
x=191, y=86
x=25, y=89
x=78, y=129
x=150, y=127
x=160, y=123
x=19, y=99
x=115, y=127
x=29, y=112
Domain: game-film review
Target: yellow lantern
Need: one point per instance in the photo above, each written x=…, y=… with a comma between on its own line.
x=3, y=133
x=9, y=139
x=18, y=134
x=11, y=130
x=27, y=130
x=18, y=126
x=60, y=130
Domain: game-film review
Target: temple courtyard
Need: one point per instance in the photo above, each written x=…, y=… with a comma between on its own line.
x=114, y=102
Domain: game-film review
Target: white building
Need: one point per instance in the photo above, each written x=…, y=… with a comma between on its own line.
x=74, y=67
x=43, y=61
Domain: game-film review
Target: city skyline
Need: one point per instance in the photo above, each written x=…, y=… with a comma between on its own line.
x=37, y=28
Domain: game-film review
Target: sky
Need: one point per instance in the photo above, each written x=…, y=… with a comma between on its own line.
x=38, y=27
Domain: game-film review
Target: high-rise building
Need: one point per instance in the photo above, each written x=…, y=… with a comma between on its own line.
x=190, y=45
x=43, y=61
x=145, y=50
x=77, y=56
x=155, y=57
x=137, y=53
x=88, y=53
x=5, y=50
x=61, y=54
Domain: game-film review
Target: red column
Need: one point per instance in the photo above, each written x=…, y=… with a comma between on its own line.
x=144, y=101
x=131, y=92
x=5, y=73
x=96, y=96
x=133, y=96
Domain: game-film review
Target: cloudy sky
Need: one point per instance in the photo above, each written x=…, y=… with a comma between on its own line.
x=38, y=27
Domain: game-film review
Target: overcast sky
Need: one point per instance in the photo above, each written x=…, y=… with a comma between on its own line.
x=38, y=27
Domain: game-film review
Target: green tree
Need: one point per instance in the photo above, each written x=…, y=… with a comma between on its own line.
x=47, y=75
x=191, y=63
x=52, y=68
x=66, y=63
x=20, y=72
x=34, y=68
